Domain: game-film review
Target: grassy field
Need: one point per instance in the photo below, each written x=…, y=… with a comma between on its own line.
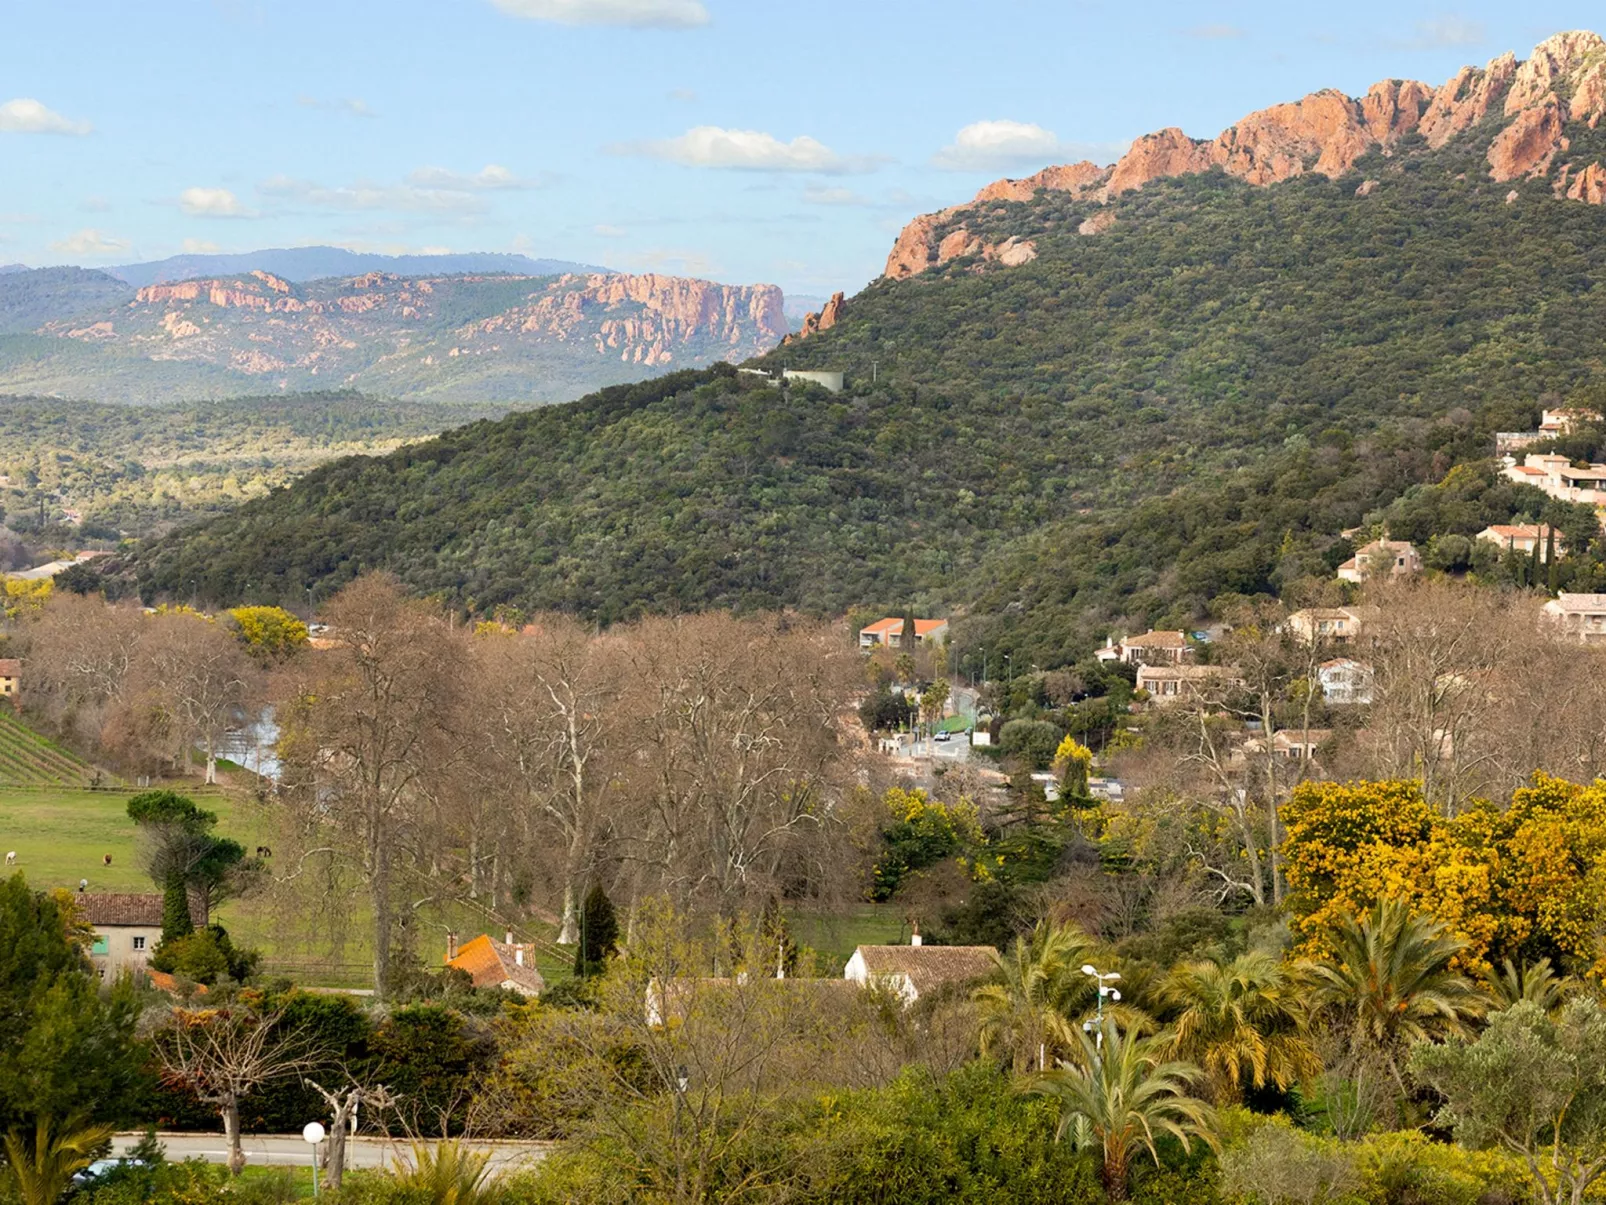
x=61, y=836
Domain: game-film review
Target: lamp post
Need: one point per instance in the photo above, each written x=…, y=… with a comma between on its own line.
x=1103, y=979
x=312, y=1133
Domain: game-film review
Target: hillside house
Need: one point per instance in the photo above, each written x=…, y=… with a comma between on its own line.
x=1552, y=423
x=1341, y=625
x=491, y=964
x=1290, y=744
x=1392, y=558
x=1345, y=681
x=1524, y=538
x=1175, y=683
x=10, y=678
x=1157, y=648
x=916, y=970
x=1580, y=616
x=1560, y=478
x=889, y=633
x=128, y=926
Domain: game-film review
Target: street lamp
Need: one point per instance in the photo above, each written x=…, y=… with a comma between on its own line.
x=1103, y=979
x=312, y=1133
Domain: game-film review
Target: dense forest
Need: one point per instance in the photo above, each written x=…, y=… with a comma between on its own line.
x=74, y=472
x=1228, y=377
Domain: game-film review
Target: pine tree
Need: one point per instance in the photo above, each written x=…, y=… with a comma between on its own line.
x=599, y=933
x=910, y=635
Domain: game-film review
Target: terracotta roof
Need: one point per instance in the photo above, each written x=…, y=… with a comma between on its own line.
x=10, y=667
x=1157, y=640
x=1579, y=602
x=930, y=967
x=895, y=624
x=1187, y=672
x=1518, y=531
x=491, y=963
x=121, y=908
x=1529, y=470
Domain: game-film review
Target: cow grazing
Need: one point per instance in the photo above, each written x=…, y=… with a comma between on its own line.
x=264, y=852
x=106, y=860
x=11, y=858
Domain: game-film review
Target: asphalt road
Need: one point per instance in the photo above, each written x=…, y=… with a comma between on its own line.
x=283, y=1150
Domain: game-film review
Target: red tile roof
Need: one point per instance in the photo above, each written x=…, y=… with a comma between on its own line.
x=491, y=963
x=128, y=909
x=10, y=667
x=895, y=624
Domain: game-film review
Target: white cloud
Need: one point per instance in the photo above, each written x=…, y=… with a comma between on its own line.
x=27, y=116
x=748, y=150
x=640, y=14
x=365, y=196
x=819, y=194
x=1449, y=31
x=199, y=246
x=353, y=106
x=606, y=231
x=998, y=146
x=92, y=244
x=212, y=203
x=491, y=177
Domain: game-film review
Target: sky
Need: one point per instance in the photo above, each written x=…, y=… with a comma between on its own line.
x=747, y=141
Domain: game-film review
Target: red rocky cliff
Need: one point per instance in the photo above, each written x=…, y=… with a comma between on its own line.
x=1561, y=84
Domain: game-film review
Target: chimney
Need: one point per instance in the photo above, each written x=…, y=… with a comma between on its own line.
x=518, y=955
x=510, y=937
x=451, y=946
x=914, y=940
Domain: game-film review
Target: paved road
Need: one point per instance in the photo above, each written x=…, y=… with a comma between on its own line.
x=283, y=1150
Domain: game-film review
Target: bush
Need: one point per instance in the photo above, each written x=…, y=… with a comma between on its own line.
x=1033, y=740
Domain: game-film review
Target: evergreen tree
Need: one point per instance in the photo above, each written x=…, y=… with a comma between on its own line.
x=599, y=933
x=910, y=636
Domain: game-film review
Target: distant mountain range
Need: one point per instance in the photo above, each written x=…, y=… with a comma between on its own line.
x=316, y=263
x=509, y=331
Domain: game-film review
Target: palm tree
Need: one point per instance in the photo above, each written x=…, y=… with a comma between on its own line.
x=1391, y=975
x=1026, y=1008
x=1124, y=1097
x=1241, y=1020
x=1534, y=981
x=44, y=1168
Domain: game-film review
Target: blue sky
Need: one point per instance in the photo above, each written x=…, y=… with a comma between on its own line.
x=745, y=140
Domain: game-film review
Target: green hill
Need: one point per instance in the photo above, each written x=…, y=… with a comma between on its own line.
x=1195, y=401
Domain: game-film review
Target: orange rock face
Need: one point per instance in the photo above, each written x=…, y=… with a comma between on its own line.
x=1327, y=132
x=1589, y=185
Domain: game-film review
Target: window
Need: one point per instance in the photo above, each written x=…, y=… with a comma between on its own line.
x=139, y=943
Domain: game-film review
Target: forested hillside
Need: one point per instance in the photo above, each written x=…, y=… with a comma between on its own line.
x=101, y=471
x=1005, y=433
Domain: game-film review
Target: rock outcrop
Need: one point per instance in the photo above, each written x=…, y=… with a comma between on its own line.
x=813, y=324
x=1562, y=83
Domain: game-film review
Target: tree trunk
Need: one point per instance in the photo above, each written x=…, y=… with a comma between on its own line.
x=231, y=1134
x=335, y=1154
x=569, y=930
x=382, y=920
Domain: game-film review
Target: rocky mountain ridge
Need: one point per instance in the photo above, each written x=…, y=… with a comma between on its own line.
x=459, y=337
x=1530, y=120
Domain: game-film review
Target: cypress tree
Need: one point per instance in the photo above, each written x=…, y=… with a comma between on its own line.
x=176, y=920
x=599, y=933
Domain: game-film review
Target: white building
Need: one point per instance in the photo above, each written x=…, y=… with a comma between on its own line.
x=1581, y=616
x=1345, y=681
x=912, y=971
x=1391, y=558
